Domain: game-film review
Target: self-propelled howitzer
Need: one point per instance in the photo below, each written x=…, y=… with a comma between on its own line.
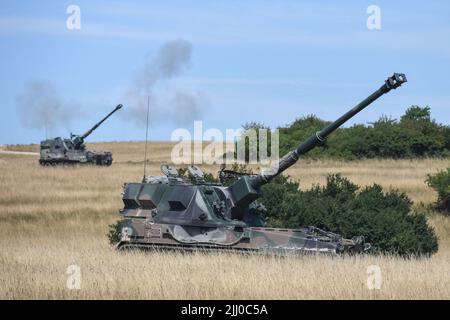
x=59, y=151
x=172, y=213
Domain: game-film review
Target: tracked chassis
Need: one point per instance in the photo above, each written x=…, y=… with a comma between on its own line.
x=173, y=212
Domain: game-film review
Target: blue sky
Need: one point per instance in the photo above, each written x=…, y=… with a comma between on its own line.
x=255, y=60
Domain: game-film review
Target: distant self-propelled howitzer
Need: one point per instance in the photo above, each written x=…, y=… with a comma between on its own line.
x=73, y=151
x=171, y=213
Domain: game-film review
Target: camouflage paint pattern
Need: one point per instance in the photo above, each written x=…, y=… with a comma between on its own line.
x=72, y=151
x=172, y=213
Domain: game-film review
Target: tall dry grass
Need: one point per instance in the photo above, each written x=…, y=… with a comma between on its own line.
x=51, y=218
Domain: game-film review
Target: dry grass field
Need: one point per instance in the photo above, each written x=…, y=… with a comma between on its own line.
x=51, y=218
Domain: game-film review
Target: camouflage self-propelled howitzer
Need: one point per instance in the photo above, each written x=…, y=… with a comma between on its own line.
x=73, y=151
x=171, y=213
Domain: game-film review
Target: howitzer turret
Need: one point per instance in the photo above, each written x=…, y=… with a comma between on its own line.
x=73, y=151
x=171, y=212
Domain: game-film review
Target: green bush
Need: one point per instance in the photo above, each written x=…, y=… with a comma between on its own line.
x=300, y=130
x=383, y=218
x=114, y=232
x=252, y=145
x=440, y=182
x=414, y=135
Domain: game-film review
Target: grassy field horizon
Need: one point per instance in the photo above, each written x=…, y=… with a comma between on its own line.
x=52, y=218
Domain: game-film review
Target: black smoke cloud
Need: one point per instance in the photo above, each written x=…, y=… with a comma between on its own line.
x=150, y=83
x=40, y=106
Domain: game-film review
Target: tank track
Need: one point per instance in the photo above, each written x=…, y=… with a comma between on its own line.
x=72, y=163
x=225, y=249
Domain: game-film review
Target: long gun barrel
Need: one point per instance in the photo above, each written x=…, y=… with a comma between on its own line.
x=83, y=136
x=291, y=158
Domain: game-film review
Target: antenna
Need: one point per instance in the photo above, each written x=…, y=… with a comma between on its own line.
x=146, y=138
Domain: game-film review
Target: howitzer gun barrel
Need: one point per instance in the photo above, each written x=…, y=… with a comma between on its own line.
x=291, y=158
x=87, y=133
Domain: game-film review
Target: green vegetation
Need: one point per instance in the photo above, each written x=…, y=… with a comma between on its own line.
x=414, y=135
x=251, y=136
x=114, y=232
x=385, y=219
x=440, y=182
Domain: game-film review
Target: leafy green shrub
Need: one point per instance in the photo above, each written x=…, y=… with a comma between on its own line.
x=414, y=135
x=440, y=182
x=114, y=232
x=383, y=218
x=300, y=130
x=250, y=136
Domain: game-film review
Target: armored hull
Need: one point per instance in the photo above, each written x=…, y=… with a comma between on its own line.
x=174, y=212
x=169, y=237
x=60, y=151
x=56, y=152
